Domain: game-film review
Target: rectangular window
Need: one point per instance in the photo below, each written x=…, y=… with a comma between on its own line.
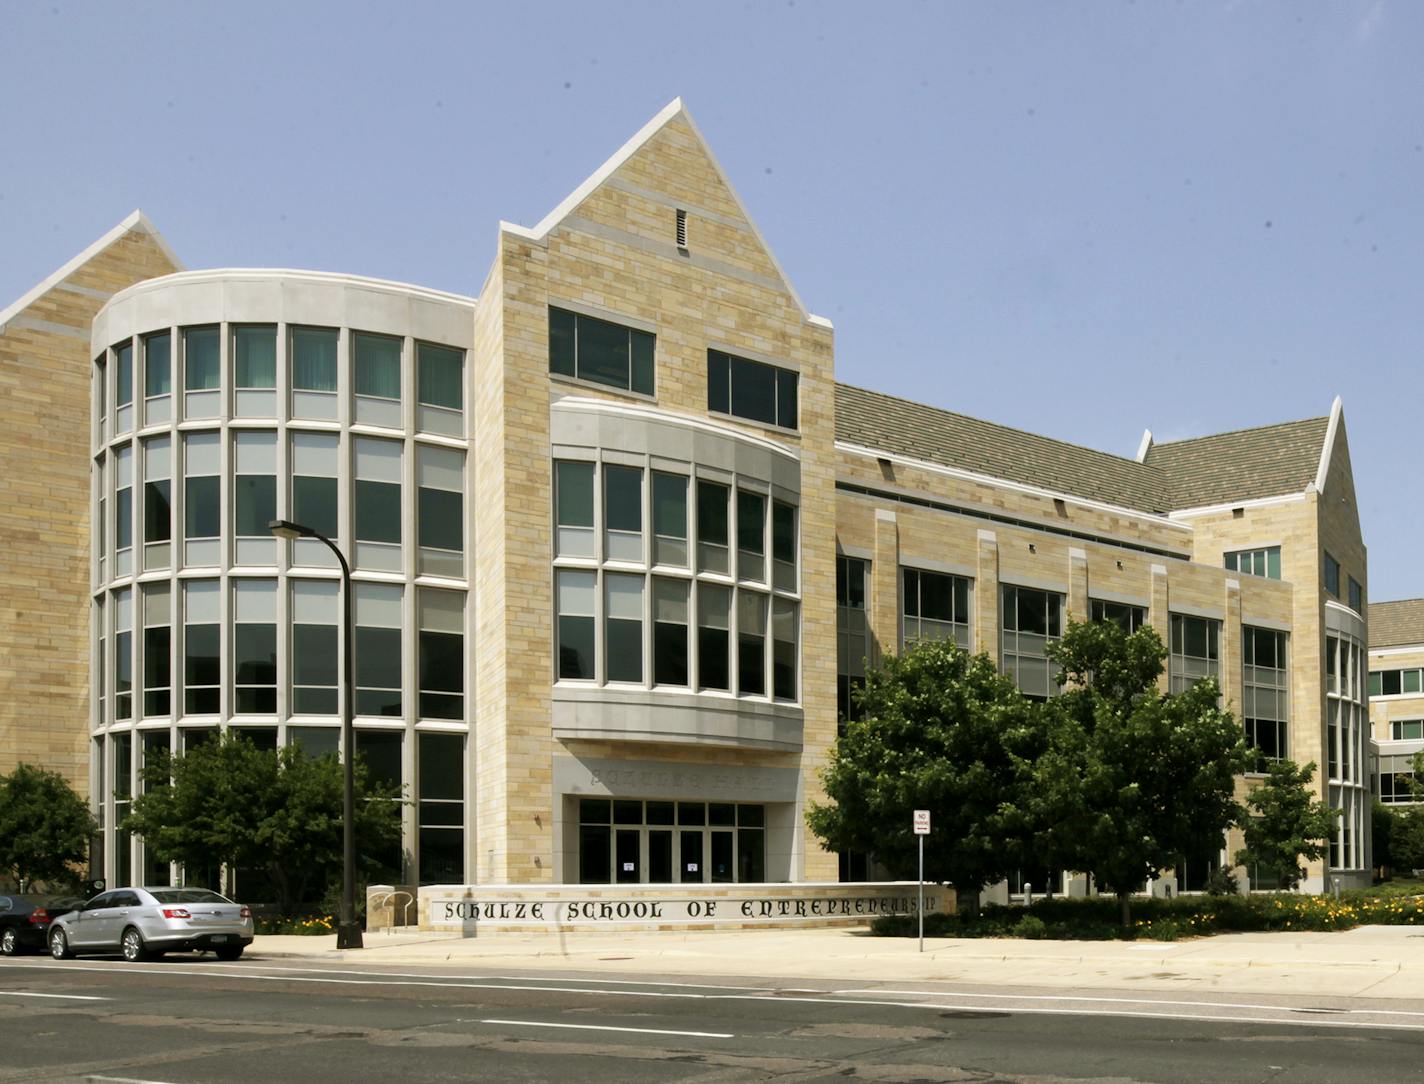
x=254, y=505
x=1332, y=575
x=314, y=466
x=441, y=783
x=670, y=632
x=575, y=601
x=202, y=502
x=440, y=375
x=936, y=607
x=783, y=648
x=254, y=358
x=751, y=643
x=1265, y=694
x=157, y=366
x=378, y=504
x=1406, y=729
x=381, y=750
x=123, y=374
x=442, y=654
x=1126, y=617
x=254, y=647
x=202, y=372
x=622, y=513
x=852, y=631
x=378, y=649
x=123, y=502
x=751, y=536
x=669, y=519
x=123, y=798
x=714, y=637
x=316, y=617
x=783, y=545
x=751, y=389
x=157, y=493
x=1195, y=651
x=1396, y=787
x=1032, y=620
x=313, y=358
x=157, y=636
x=1357, y=596
x=1259, y=562
x=440, y=509
x=202, y=660
x=623, y=627
x=377, y=366
x=573, y=508
x=604, y=353
x=712, y=502
x=123, y=654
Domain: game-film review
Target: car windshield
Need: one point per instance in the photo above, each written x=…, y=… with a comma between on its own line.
x=186, y=895
x=57, y=905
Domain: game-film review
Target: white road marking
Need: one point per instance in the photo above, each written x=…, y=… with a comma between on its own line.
x=1132, y=1001
x=219, y=969
x=609, y=1027
x=120, y=1080
x=63, y=997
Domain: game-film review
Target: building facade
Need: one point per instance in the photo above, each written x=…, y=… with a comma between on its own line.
x=1396, y=695
x=623, y=547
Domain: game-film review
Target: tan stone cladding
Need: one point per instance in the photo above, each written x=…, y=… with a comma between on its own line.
x=45, y=394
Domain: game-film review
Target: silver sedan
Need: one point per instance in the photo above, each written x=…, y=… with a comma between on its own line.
x=144, y=923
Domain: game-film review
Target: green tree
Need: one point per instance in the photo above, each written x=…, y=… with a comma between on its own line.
x=1132, y=780
x=940, y=730
x=45, y=827
x=228, y=801
x=1286, y=822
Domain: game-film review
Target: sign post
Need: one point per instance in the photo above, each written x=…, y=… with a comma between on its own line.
x=922, y=829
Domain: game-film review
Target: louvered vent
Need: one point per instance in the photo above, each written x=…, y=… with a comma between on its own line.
x=682, y=229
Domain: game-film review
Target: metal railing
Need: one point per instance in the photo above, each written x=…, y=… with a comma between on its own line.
x=387, y=898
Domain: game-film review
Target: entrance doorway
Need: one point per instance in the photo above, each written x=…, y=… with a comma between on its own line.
x=636, y=841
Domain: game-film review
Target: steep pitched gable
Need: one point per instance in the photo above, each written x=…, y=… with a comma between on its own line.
x=1243, y=465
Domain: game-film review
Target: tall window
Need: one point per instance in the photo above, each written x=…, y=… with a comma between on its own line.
x=101, y=518
x=378, y=504
x=573, y=508
x=441, y=783
x=254, y=490
x=202, y=636
x=1032, y=620
x=712, y=522
x=440, y=502
x=1347, y=745
x=1259, y=562
x=622, y=513
x=254, y=362
x=378, y=649
x=751, y=389
x=936, y=607
x=714, y=661
x=254, y=647
x=157, y=501
x=574, y=599
x=852, y=631
x=312, y=361
x=315, y=467
x=202, y=498
x=1332, y=575
x=157, y=377
x=377, y=378
x=202, y=372
x=751, y=643
x=599, y=351
x=101, y=395
x=751, y=536
x=669, y=519
x=123, y=510
x=1265, y=693
x=442, y=653
x=1195, y=651
x=382, y=752
x=123, y=802
x=623, y=627
x=316, y=617
x=1357, y=596
x=783, y=649
x=123, y=386
x=670, y=632
x=1127, y=617
x=156, y=744
x=157, y=643
x=123, y=654
x=101, y=683
x=440, y=379
x=783, y=545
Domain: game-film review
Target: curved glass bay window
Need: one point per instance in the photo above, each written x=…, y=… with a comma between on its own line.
x=204, y=622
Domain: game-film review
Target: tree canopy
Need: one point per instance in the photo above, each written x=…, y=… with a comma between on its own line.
x=1286, y=822
x=45, y=827
x=279, y=811
x=940, y=730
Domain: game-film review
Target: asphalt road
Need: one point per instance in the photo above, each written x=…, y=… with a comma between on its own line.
x=189, y=1020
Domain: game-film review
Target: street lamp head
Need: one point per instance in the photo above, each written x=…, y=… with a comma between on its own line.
x=285, y=528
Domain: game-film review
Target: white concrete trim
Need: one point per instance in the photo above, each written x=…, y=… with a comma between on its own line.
x=331, y=278
x=1143, y=447
x=1337, y=408
x=1398, y=649
x=1331, y=604
x=136, y=222
x=1004, y=483
x=652, y=414
x=1255, y=502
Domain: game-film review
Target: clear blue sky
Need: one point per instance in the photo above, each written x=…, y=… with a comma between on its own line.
x=1079, y=219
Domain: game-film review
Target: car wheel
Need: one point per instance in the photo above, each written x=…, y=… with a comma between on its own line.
x=59, y=946
x=10, y=941
x=133, y=947
x=230, y=952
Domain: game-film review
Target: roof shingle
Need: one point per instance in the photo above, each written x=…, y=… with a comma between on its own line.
x=1393, y=624
x=1243, y=465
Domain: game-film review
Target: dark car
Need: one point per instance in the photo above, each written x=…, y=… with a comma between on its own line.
x=25, y=919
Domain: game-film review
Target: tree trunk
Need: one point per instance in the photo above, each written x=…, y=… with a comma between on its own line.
x=967, y=902
x=1124, y=902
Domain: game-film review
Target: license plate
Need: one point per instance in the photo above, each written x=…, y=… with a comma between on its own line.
x=219, y=937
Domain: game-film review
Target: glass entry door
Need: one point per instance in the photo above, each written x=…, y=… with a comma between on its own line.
x=626, y=864
x=691, y=868
x=659, y=856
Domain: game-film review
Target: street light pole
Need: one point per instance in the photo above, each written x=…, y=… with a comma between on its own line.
x=348, y=930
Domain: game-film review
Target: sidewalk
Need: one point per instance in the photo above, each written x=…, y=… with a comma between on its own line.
x=1369, y=961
